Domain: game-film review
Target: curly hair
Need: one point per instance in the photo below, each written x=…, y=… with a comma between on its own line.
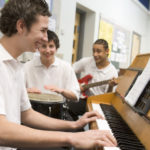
x=27, y=10
x=102, y=42
x=53, y=37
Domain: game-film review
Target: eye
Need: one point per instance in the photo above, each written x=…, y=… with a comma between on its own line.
x=43, y=46
x=51, y=46
x=44, y=30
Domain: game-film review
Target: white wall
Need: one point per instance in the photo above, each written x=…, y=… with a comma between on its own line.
x=126, y=13
x=65, y=19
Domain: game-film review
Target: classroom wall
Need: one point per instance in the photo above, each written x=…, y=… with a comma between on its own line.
x=126, y=13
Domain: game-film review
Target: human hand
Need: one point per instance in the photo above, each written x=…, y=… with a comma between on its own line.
x=87, y=118
x=94, y=139
x=113, y=82
x=81, y=88
x=33, y=90
x=53, y=89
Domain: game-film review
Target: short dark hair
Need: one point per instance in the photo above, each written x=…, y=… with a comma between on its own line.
x=102, y=42
x=52, y=36
x=27, y=10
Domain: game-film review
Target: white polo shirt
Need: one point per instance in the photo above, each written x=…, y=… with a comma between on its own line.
x=59, y=74
x=13, y=95
x=87, y=66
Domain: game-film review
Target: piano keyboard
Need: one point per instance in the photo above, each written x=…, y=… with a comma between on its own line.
x=126, y=139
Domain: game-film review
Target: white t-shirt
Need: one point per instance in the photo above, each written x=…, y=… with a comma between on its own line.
x=87, y=66
x=13, y=95
x=59, y=74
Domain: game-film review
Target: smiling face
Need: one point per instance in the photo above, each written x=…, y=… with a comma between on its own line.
x=47, y=51
x=33, y=38
x=100, y=53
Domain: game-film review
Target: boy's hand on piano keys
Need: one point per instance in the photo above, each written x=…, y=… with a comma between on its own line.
x=87, y=118
x=93, y=139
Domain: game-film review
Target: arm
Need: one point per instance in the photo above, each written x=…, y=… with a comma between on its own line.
x=112, y=83
x=14, y=135
x=66, y=93
x=37, y=120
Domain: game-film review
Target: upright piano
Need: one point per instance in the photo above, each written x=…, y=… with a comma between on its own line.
x=136, y=119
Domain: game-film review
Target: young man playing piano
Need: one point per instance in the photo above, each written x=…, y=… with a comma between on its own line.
x=100, y=69
x=24, y=26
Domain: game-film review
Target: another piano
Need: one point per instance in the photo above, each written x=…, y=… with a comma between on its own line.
x=131, y=128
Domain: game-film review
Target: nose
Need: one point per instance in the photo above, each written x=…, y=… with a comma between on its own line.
x=45, y=37
x=94, y=53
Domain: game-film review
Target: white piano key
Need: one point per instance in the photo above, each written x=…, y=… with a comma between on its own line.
x=98, y=108
x=111, y=148
x=103, y=125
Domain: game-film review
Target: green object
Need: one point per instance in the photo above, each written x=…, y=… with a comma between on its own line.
x=6, y=0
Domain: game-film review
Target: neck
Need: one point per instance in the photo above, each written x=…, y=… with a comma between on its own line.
x=103, y=64
x=11, y=45
x=47, y=63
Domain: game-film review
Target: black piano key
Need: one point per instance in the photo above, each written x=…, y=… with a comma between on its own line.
x=126, y=139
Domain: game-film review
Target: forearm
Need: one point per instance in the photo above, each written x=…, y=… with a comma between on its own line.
x=14, y=135
x=40, y=121
x=69, y=95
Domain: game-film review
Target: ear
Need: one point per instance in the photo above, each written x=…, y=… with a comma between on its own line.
x=20, y=25
x=107, y=51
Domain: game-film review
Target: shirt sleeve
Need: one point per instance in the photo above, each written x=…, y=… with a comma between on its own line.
x=25, y=103
x=2, y=102
x=79, y=65
x=72, y=82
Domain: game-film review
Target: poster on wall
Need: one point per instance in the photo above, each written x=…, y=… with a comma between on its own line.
x=118, y=39
x=120, y=46
x=106, y=30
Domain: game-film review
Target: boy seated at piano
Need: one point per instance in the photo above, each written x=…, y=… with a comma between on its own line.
x=47, y=73
x=95, y=69
x=24, y=26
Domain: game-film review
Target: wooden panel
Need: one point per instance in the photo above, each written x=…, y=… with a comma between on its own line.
x=126, y=81
x=140, y=61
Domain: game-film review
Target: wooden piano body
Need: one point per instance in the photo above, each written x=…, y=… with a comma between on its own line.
x=140, y=125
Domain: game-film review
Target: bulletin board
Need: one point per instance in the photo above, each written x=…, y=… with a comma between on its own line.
x=118, y=39
x=106, y=30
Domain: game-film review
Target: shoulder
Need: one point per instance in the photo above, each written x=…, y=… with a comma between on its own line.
x=30, y=64
x=62, y=63
x=85, y=60
x=112, y=68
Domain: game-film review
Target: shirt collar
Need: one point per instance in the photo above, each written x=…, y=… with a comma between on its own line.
x=104, y=70
x=38, y=62
x=6, y=57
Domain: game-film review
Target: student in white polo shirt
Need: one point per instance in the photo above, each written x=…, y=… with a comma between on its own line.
x=99, y=68
x=47, y=73
x=24, y=26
